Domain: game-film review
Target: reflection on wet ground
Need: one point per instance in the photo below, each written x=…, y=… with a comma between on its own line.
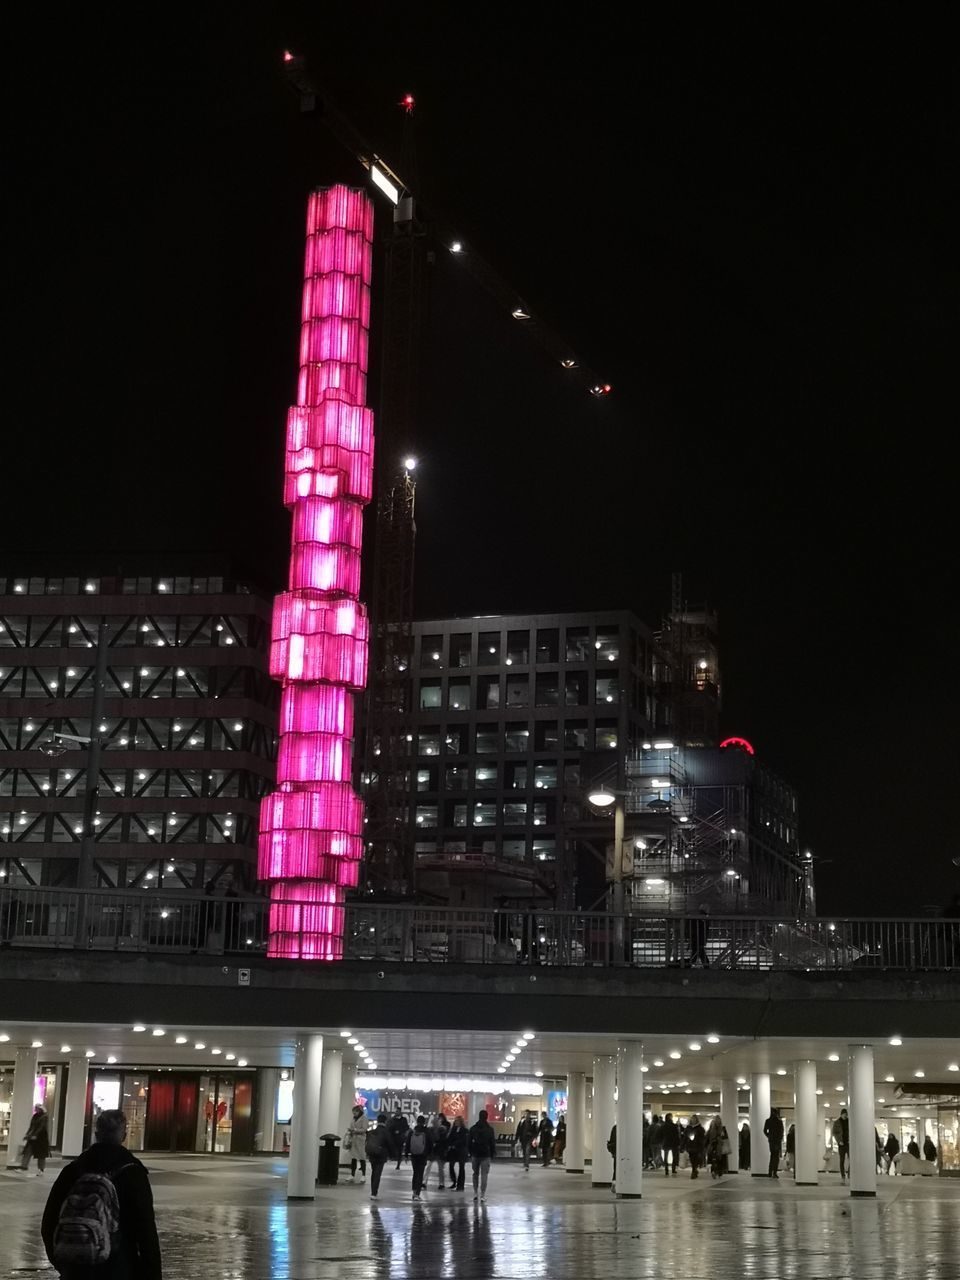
x=228, y=1219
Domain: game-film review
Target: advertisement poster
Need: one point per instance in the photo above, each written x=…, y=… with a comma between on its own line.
x=556, y=1104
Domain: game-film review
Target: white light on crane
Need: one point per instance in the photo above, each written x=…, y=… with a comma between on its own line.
x=456, y=247
x=381, y=180
x=409, y=464
x=520, y=313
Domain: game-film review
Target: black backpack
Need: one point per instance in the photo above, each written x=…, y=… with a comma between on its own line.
x=89, y=1222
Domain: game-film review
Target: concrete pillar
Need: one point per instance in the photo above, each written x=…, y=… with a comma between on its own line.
x=863, y=1165
x=629, y=1120
x=21, y=1104
x=588, y=1129
x=759, y=1112
x=604, y=1118
x=268, y=1081
x=76, y=1107
x=729, y=1118
x=576, y=1121
x=348, y=1096
x=330, y=1091
x=807, y=1157
x=305, y=1126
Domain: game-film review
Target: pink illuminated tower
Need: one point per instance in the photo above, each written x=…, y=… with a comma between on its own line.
x=311, y=827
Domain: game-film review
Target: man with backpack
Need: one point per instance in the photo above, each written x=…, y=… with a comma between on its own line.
x=482, y=1145
x=418, y=1148
x=99, y=1218
x=378, y=1152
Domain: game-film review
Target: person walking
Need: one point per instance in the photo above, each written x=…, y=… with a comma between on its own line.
x=891, y=1149
x=482, y=1146
x=545, y=1138
x=929, y=1150
x=36, y=1141
x=695, y=1138
x=913, y=1149
x=457, y=1141
x=560, y=1140
x=355, y=1141
x=612, y=1148
x=717, y=1144
x=698, y=930
x=419, y=1146
x=670, y=1137
x=99, y=1217
x=378, y=1151
x=526, y=1133
x=397, y=1129
x=743, y=1147
x=773, y=1132
x=841, y=1136
x=439, y=1133
x=791, y=1149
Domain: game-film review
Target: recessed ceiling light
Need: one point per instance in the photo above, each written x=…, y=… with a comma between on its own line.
x=64, y=1048
x=159, y=1031
x=231, y=1057
x=658, y=1062
x=111, y=1059
x=675, y=1053
x=781, y=1071
x=741, y=1079
x=199, y=1045
x=353, y=1040
x=36, y=1044
x=838, y=1088
x=833, y=1057
x=241, y=1062
x=345, y=1034
x=4, y=1038
x=138, y=1026
x=538, y=1074
x=694, y=1046
x=713, y=1039
x=216, y=1051
x=528, y=1035
x=181, y=1039
x=953, y=1066
x=889, y=1079
x=819, y=1092
x=919, y=1074
x=501, y=1071
x=89, y=1054
x=895, y=1040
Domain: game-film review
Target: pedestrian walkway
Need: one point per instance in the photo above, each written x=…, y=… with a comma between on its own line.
x=226, y=1218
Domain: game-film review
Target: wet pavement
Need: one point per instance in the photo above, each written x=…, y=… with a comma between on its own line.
x=228, y=1219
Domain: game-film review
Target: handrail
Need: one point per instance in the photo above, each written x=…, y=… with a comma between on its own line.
x=170, y=922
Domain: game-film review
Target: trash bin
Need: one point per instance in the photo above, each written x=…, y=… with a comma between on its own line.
x=328, y=1161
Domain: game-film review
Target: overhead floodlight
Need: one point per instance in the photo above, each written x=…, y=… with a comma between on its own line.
x=602, y=797
x=456, y=246
x=520, y=313
x=409, y=464
x=381, y=180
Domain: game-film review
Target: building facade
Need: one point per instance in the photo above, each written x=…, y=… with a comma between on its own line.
x=187, y=732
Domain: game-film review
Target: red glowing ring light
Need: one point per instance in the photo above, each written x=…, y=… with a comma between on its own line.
x=742, y=743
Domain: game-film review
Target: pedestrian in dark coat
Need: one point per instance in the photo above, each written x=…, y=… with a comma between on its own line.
x=670, y=1137
x=457, y=1153
x=545, y=1138
x=695, y=1138
x=36, y=1141
x=773, y=1132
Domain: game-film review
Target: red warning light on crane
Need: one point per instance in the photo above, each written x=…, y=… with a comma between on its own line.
x=742, y=743
x=287, y=55
x=408, y=102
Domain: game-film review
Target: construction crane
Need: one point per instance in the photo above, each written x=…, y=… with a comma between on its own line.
x=416, y=234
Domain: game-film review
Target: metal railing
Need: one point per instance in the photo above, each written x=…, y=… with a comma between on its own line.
x=177, y=923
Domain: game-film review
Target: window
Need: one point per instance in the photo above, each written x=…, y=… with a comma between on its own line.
x=484, y=815
x=515, y=812
x=426, y=815
x=548, y=645
x=548, y=689
x=607, y=645
x=488, y=649
x=429, y=695
x=485, y=777
x=516, y=777
x=461, y=649
x=455, y=740
x=518, y=691
x=540, y=814
x=578, y=644
x=426, y=779
x=516, y=737
x=518, y=647
x=545, y=850
x=575, y=689
x=458, y=695
x=608, y=689
x=606, y=735
x=423, y=848
x=431, y=652
x=429, y=742
x=457, y=777
x=547, y=735
x=515, y=850
x=457, y=815
x=545, y=775
x=488, y=693
x=571, y=775
x=575, y=735
x=488, y=739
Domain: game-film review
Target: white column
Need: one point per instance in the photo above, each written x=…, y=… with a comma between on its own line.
x=629, y=1120
x=604, y=1118
x=305, y=1127
x=330, y=1091
x=76, y=1107
x=807, y=1157
x=576, y=1121
x=348, y=1096
x=21, y=1105
x=759, y=1112
x=729, y=1118
x=863, y=1165
x=268, y=1080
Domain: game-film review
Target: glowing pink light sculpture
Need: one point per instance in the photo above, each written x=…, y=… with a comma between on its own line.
x=311, y=827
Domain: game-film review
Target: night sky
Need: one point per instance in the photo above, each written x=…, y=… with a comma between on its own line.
x=745, y=232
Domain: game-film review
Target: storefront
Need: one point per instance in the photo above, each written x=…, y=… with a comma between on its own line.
x=178, y=1111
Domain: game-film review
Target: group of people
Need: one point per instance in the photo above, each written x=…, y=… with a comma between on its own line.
x=665, y=1139
x=541, y=1136
x=437, y=1141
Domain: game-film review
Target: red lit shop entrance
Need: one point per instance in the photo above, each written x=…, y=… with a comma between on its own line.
x=178, y=1111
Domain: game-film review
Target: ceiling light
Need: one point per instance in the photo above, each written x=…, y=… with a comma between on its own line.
x=89, y=1054
x=159, y=1031
x=601, y=797
x=538, y=1074
x=895, y=1040
x=919, y=1075
x=199, y=1045
x=741, y=1079
x=353, y=1040
x=64, y=1048
x=216, y=1051
x=658, y=1062
x=713, y=1039
x=528, y=1035
x=838, y=1088
x=781, y=1071
x=819, y=1092
x=953, y=1066
x=889, y=1079
x=138, y=1026
x=833, y=1057
x=111, y=1059
x=181, y=1040
x=675, y=1053
x=36, y=1044
x=231, y=1057
x=501, y=1071
x=241, y=1062
x=694, y=1046
x=511, y=1057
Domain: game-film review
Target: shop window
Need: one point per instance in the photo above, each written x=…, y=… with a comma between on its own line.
x=457, y=777
x=518, y=691
x=575, y=689
x=485, y=777
x=426, y=780
x=547, y=735
x=575, y=735
x=548, y=689
x=431, y=652
x=488, y=739
x=455, y=740
x=461, y=649
x=515, y=850
x=607, y=645
x=429, y=742
x=516, y=737
x=429, y=695
x=518, y=647
x=488, y=693
x=484, y=814
x=515, y=813
x=606, y=735
x=577, y=644
x=545, y=775
x=607, y=690
x=458, y=695
x=488, y=649
x=426, y=815
x=515, y=777
x=548, y=645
